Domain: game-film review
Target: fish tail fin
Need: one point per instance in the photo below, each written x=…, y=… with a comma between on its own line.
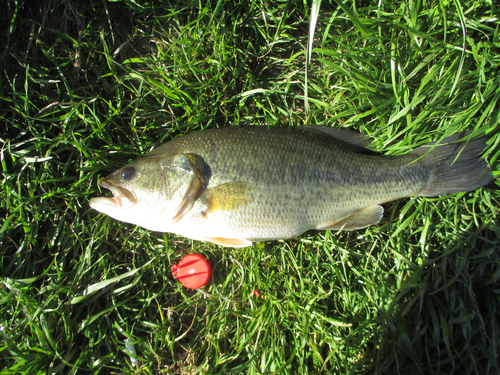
x=455, y=165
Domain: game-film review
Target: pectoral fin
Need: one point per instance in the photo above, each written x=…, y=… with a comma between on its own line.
x=229, y=242
x=226, y=197
x=360, y=219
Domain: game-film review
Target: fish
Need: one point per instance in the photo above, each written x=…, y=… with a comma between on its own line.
x=233, y=186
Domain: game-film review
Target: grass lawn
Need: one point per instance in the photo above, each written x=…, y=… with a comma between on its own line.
x=88, y=86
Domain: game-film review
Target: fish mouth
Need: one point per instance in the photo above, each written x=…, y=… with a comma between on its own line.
x=122, y=198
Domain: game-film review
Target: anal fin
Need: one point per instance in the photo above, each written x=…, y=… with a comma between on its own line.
x=362, y=218
x=229, y=242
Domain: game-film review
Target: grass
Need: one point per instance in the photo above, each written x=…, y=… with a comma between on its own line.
x=86, y=87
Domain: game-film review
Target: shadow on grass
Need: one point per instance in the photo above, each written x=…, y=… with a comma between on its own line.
x=442, y=319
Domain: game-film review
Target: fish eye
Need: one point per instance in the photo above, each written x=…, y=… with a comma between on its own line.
x=128, y=173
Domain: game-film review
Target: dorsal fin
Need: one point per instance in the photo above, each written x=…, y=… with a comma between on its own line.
x=358, y=141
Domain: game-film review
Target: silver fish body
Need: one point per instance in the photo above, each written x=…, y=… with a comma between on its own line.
x=233, y=186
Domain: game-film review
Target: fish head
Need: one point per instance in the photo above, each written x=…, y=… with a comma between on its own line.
x=139, y=192
x=152, y=192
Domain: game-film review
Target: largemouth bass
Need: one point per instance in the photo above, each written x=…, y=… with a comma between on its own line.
x=234, y=186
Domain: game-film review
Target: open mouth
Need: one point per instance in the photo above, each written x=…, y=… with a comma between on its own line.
x=122, y=198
